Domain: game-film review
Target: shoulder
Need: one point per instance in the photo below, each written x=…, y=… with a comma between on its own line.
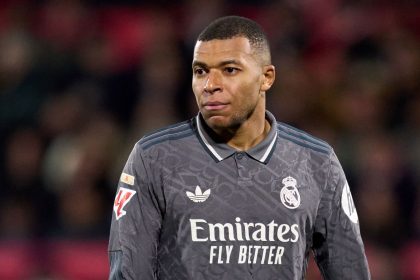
x=302, y=138
x=173, y=132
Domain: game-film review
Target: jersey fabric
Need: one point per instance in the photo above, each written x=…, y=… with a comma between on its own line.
x=188, y=207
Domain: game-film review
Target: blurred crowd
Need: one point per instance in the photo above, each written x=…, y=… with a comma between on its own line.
x=82, y=81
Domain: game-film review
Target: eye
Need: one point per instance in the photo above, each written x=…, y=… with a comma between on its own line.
x=231, y=70
x=199, y=71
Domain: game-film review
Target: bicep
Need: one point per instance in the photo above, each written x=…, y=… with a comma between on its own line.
x=337, y=243
x=135, y=225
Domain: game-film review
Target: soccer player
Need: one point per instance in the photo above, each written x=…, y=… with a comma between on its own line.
x=232, y=193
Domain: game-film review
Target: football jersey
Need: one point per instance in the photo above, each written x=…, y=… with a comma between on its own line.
x=189, y=207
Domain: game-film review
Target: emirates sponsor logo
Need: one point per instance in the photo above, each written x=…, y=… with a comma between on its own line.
x=202, y=231
x=266, y=241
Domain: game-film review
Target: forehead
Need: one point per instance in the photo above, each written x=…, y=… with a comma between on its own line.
x=238, y=47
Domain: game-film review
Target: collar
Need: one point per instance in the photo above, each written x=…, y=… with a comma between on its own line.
x=220, y=151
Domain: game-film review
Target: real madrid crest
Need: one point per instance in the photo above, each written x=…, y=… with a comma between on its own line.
x=289, y=194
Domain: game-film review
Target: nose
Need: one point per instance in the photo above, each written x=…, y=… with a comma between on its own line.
x=213, y=83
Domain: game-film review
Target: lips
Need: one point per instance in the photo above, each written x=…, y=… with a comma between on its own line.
x=214, y=106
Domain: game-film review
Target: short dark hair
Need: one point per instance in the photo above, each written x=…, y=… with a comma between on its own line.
x=235, y=26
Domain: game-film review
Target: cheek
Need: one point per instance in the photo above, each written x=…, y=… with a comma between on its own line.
x=251, y=83
x=249, y=90
x=196, y=90
x=197, y=99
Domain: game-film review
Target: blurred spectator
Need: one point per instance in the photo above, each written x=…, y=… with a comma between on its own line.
x=160, y=77
x=27, y=207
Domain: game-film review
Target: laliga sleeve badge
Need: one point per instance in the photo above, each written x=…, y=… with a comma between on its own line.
x=348, y=205
x=289, y=194
x=123, y=197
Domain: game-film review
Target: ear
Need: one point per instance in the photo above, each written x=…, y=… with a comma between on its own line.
x=269, y=72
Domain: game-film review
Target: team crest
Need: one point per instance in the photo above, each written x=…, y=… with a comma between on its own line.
x=289, y=194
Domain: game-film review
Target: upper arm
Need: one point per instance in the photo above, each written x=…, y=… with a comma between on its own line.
x=337, y=242
x=136, y=222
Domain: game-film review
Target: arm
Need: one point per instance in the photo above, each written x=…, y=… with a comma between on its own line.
x=337, y=244
x=135, y=224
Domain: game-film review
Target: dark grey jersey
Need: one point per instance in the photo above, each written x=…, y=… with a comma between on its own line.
x=188, y=207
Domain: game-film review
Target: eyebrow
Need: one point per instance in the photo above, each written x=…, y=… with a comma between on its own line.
x=223, y=63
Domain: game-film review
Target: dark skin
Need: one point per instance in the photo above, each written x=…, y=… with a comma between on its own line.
x=230, y=80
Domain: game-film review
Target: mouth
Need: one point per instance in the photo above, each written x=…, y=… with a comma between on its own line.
x=214, y=106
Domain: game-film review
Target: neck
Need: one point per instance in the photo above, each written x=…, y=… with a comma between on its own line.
x=248, y=136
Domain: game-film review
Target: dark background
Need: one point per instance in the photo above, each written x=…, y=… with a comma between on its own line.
x=82, y=81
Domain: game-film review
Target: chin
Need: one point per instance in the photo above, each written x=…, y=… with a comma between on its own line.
x=222, y=123
x=218, y=122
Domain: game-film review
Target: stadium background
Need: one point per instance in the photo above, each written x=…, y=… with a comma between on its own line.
x=81, y=81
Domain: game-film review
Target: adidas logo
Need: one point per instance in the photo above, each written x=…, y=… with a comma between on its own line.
x=198, y=196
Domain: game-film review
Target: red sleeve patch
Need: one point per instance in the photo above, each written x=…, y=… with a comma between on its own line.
x=123, y=197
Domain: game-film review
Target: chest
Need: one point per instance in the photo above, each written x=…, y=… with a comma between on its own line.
x=240, y=188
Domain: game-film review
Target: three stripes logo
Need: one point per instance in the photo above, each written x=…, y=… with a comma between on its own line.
x=198, y=196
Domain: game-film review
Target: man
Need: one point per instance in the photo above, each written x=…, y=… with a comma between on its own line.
x=231, y=193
